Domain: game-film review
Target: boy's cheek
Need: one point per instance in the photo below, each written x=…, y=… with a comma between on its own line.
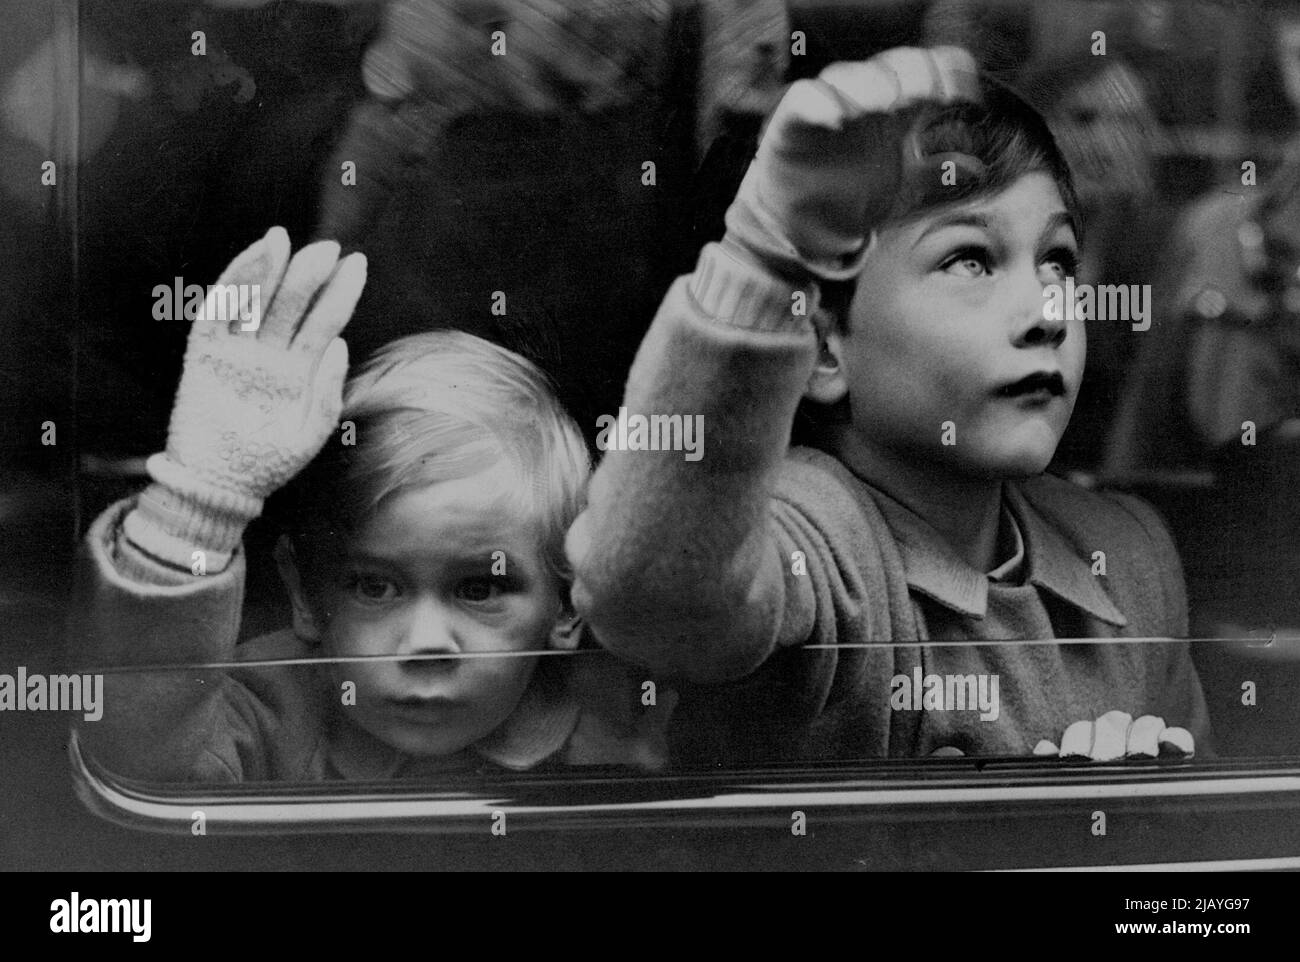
x=514, y=682
x=523, y=625
x=513, y=670
x=344, y=638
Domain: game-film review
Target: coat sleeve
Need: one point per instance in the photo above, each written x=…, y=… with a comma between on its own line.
x=680, y=562
x=182, y=724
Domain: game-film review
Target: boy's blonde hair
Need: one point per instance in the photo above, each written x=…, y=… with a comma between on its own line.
x=441, y=406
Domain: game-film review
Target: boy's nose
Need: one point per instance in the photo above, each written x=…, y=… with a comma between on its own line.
x=1033, y=325
x=429, y=630
x=1042, y=331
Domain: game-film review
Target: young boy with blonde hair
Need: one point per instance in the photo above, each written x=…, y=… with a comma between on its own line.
x=425, y=562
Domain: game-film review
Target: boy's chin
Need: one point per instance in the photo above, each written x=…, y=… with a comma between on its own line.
x=416, y=740
x=1013, y=464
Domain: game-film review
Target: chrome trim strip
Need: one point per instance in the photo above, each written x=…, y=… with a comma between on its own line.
x=1288, y=863
x=106, y=798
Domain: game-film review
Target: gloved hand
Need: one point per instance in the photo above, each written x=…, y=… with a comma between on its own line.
x=254, y=406
x=1117, y=735
x=831, y=159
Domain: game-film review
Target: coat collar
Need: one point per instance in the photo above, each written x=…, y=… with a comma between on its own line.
x=1049, y=561
x=1056, y=565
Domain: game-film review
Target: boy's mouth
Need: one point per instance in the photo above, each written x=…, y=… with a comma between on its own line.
x=1045, y=383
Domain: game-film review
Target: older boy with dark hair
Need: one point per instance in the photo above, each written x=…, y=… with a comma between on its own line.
x=791, y=588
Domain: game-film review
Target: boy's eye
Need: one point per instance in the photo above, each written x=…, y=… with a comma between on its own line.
x=479, y=589
x=967, y=262
x=1065, y=260
x=374, y=588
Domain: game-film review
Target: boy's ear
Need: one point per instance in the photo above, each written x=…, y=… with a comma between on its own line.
x=827, y=384
x=566, y=633
x=305, y=624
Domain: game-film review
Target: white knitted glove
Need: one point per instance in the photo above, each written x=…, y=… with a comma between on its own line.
x=254, y=406
x=830, y=160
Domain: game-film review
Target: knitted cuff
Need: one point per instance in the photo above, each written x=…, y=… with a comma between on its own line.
x=178, y=515
x=136, y=565
x=731, y=286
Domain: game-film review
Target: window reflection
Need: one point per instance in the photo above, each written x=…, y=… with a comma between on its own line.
x=292, y=720
x=435, y=638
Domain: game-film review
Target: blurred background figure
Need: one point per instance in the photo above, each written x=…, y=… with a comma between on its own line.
x=39, y=57
x=499, y=147
x=1217, y=388
x=1230, y=351
x=1216, y=394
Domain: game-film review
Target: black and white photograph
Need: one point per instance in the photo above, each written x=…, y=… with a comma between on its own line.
x=674, y=435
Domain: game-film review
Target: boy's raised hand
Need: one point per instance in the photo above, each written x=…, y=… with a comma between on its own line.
x=259, y=395
x=258, y=399
x=831, y=158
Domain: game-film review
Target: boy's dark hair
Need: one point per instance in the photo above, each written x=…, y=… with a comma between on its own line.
x=1008, y=138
